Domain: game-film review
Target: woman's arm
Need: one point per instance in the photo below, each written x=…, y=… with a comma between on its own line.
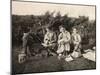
x=79, y=38
x=60, y=40
x=54, y=38
x=68, y=37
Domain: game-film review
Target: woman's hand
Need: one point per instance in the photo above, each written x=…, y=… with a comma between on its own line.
x=61, y=41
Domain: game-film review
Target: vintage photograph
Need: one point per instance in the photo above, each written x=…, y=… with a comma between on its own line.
x=52, y=37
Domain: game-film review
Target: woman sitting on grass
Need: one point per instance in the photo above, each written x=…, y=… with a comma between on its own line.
x=76, y=40
x=50, y=41
x=63, y=42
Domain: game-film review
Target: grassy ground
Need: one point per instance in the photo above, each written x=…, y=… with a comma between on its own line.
x=49, y=64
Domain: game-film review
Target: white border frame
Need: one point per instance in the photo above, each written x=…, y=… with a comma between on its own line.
x=5, y=36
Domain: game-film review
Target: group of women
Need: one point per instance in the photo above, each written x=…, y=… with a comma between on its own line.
x=57, y=45
x=63, y=42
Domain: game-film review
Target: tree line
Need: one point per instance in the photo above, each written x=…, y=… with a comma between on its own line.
x=22, y=23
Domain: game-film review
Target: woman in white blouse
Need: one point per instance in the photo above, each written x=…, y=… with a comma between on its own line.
x=63, y=42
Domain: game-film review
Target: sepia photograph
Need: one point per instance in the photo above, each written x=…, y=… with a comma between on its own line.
x=52, y=37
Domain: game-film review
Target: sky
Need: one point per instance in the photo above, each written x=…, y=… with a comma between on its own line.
x=33, y=8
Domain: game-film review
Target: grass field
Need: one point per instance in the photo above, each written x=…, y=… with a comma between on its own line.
x=49, y=64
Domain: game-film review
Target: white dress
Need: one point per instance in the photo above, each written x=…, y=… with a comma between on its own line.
x=63, y=42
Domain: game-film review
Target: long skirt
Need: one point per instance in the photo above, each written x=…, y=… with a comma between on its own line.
x=63, y=47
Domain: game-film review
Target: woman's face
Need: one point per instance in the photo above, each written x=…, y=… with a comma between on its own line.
x=74, y=31
x=62, y=29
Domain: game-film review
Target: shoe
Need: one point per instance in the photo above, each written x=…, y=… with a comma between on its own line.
x=68, y=58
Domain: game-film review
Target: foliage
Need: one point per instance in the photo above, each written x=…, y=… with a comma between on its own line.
x=22, y=23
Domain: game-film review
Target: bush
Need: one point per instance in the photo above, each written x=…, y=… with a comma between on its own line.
x=21, y=24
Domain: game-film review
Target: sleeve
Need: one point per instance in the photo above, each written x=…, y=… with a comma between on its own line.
x=54, y=37
x=72, y=38
x=59, y=38
x=45, y=38
x=79, y=38
x=68, y=37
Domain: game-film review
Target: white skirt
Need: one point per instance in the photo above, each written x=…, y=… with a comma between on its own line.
x=63, y=47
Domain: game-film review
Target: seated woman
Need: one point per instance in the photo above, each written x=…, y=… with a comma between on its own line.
x=63, y=42
x=50, y=40
x=76, y=40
